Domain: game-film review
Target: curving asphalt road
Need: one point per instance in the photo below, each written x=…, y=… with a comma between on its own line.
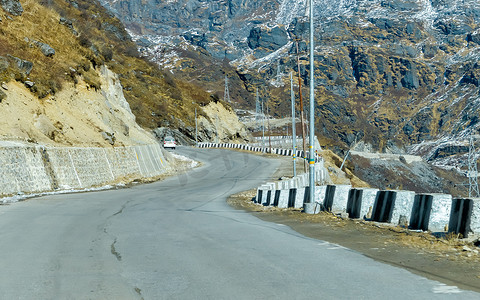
x=178, y=239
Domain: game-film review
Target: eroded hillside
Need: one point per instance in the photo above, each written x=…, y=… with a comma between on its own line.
x=71, y=75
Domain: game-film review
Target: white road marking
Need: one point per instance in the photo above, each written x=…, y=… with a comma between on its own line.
x=445, y=289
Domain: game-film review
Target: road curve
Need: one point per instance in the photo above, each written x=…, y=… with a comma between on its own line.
x=178, y=239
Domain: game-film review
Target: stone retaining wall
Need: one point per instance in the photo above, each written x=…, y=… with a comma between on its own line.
x=35, y=169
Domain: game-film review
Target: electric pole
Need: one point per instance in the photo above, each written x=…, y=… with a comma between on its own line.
x=196, y=128
x=302, y=119
x=311, y=153
x=294, y=146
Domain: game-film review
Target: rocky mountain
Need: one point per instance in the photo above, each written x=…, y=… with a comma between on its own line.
x=390, y=75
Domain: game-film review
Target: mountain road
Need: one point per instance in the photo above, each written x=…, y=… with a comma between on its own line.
x=179, y=239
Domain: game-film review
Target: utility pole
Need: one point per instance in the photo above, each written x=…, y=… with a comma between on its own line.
x=263, y=129
x=269, y=133
x=472, y=170
x=311, y=154
x=257, y=111
x=216, y=127
x=294, y=146
x=196, y=128
x=302, y=119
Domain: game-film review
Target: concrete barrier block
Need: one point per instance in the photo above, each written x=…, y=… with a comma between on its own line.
x=258, y=197
x=420, y=217
x=354, y=203
x=368, y=201
x=340, y=198
x=302, y=194
x=383, y=207
x=268, y=200
x=460, y=216
x=320, y=194
x=475, y=218
x=403, y=205
x=278, y=185
x=282, y=198
x=431, y=212
x=264, y=196
x=292, y=195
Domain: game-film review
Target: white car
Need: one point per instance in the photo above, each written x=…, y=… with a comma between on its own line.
x=169, y=142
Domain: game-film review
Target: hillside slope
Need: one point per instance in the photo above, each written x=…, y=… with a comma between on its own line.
x=397, y=75
x=71, y=75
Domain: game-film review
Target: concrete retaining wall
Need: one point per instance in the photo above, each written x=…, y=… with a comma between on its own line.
x=36, y=169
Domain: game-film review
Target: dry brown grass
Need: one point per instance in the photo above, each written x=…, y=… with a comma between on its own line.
x=156, y=97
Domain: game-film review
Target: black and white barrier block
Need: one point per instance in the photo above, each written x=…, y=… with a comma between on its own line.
x=263, y=194
x=269, y=198
x=314, y=207
x=475, y=218
x=460, y=217
x=422, y=207
x=403, y=206
x=360, y=202
x=431, y=212
x=292, y=196
x=300, y=196
x=383, y=207
x=336, y=198
x=281, y=198
x=390, y=205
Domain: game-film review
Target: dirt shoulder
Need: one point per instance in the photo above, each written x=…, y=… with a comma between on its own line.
x=447, y=259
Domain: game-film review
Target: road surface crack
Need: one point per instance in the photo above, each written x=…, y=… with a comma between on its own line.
x=139, y=292
x=114, y=251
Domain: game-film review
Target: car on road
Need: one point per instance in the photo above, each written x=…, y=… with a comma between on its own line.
x=169, y=142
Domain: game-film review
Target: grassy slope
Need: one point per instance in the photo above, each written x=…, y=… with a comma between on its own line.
x=156, y=98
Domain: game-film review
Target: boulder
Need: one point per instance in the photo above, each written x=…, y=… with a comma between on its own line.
x=24, y=65
x=474, y=37
x=29, y=84
x=269, y=39
x=12, y=6
x=470, y=78
x=109, y=137
x=119, y=33
x=2, y=95
x=3, y=64
x=68, y=23
x=429, y=51
x=448, y=27
x=46, y=49
x=196, y=39
x=298, y=28
x=410, y=78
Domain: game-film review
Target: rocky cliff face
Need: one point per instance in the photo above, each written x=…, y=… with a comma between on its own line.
x=394, y=74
